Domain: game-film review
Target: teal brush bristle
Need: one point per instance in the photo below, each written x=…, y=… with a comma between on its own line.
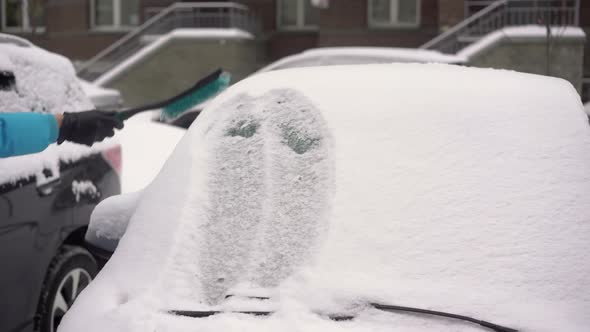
x=175, y=109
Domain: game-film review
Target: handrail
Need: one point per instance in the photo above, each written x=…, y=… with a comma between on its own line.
x=465, y=23
x=502, y=13
x=151, y=22
x=128, y=36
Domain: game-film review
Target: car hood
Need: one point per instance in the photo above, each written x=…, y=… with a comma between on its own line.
x=455, y=189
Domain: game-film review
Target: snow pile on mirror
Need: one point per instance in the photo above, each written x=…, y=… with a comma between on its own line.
x=448, y=188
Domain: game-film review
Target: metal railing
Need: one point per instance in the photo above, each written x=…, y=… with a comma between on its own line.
x=504, y=13
x=474, y=6
x=177, y=15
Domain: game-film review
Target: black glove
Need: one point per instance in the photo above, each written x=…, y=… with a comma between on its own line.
x=88, y=127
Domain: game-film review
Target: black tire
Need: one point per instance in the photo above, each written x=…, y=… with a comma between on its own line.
x=70, y=261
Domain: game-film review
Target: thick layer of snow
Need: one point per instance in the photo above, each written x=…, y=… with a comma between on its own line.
x=330, y=56
x=516, y=33
x=110, y=218
x=22, y=167
x=424, y=190
x=200, y=33
x=102, y=98
x=5, y=64
x=146, y=147
x=84, y=188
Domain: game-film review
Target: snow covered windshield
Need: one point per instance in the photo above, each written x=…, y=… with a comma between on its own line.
x=325, y=189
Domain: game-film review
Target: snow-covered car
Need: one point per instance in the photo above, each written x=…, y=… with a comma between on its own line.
x=46, y=199
x=304, y=200
x=332, y=56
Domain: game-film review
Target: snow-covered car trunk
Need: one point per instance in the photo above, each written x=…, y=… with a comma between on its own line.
x=313, y=192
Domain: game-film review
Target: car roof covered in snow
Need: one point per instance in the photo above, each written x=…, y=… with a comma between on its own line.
x=329, y=188
x=329, y=56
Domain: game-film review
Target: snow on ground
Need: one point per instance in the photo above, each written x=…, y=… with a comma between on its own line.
x=330, y=56
x=200, y=33
x=521, y=32
x=304, y=185
x=146, y=147
x=45, y=83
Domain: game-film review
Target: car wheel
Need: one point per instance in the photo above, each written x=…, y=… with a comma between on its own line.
x=69, y=273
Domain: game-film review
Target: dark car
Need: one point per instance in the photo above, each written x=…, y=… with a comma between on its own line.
x=46, y=199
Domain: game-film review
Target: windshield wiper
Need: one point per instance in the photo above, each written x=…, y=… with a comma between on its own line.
x=486, y=324
x=205, y=313
x=339, y=317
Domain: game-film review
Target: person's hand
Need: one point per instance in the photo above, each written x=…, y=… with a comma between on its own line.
x=88, y=127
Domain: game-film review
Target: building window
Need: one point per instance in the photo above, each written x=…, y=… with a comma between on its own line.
x=297, y=15
x=394, y=13
x=115, y=14
x=23, y=15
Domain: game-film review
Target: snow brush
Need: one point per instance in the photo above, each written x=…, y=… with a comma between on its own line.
x=173, y=107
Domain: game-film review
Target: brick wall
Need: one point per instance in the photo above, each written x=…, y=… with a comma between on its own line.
x=450, y=12
x=265, y=11
x=345, y=23
x=68, y=31
x=585, y=24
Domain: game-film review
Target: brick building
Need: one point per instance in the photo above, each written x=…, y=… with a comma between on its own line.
x=81, y=28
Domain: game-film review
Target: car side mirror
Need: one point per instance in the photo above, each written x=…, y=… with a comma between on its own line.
x=108, y=223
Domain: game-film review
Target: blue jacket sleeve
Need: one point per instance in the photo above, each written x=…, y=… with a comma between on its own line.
x=25, y=133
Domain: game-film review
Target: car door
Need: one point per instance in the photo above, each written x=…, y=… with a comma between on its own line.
x=31, y=219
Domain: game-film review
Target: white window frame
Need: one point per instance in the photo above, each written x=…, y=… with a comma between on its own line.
x=26, y=24
x=300, y=25
x=116, y=26
x=393, y=22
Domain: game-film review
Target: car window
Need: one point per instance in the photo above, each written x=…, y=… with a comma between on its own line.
x=7, y=80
